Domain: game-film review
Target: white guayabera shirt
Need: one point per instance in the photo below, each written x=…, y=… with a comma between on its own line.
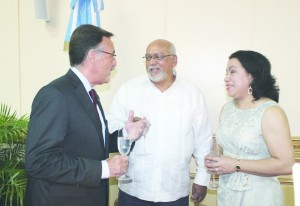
x=180, y=128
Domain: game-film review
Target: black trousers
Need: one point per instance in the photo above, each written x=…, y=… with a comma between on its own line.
x=125, y=199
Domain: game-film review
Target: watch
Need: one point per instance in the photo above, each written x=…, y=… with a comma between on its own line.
x=238, y=167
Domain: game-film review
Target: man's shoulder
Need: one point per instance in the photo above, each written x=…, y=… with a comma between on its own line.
x=62, y=84
x=67, y=79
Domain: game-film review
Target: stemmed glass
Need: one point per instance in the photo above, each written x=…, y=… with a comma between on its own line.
x=124, y=145
x=215, y=152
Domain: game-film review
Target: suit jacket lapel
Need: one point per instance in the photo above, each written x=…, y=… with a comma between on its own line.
x=105, y=122
x=86, y=103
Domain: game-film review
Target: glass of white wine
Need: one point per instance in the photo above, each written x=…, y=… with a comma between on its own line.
x=124, y=145
x=215, y=152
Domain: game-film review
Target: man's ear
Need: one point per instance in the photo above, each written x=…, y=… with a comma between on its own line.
x=174, y=60
x=91, y=56
x=251, y=78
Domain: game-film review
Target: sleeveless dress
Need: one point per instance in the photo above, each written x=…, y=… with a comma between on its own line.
x=240, y=136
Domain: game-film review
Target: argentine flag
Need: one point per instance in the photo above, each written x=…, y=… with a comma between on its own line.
x=83, y=12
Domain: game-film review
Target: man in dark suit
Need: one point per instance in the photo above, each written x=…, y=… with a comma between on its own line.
x=68, y=141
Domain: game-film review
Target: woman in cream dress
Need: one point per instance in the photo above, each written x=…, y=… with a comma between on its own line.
x=254, y=134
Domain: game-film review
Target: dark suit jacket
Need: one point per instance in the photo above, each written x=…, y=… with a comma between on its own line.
x=65, y=147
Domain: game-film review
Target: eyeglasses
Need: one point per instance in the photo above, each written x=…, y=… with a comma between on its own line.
x=156, y=57
x=112, y=54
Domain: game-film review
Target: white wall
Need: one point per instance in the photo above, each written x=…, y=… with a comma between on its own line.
x=204, y=32
x=9, y=54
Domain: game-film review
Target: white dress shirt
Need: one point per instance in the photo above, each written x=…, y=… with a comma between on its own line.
x=87, y=86
x=180, y=128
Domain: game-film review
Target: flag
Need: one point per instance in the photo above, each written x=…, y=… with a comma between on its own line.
x=83, y=12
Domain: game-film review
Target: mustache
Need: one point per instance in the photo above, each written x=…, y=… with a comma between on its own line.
x=154, y=67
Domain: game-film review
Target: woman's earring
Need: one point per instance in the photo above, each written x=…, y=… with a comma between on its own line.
x=174, y=72
x=250, y=90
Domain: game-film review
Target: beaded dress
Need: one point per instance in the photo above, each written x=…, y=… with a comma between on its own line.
x=240, y=136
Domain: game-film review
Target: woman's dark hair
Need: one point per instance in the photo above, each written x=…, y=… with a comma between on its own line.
x=84, y=38
x=256, y=64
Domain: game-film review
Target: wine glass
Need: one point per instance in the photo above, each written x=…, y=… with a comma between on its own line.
x=215, y=152
x=124, y=145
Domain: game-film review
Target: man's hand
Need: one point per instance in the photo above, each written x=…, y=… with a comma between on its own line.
x=136, y=126
x=198, y=193
x=117, y=165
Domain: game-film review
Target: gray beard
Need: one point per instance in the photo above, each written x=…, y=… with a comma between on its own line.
x=161, y=76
